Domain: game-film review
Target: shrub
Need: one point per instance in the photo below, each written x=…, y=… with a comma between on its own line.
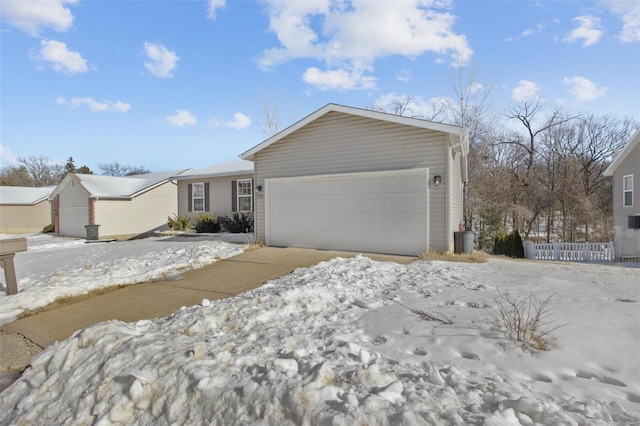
x=526, y=320
x=179, y=223
x=207, y=223
x=49, y=228
x=237, y=223
x=509, y=245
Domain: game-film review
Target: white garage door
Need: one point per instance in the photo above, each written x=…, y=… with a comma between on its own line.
x=73, y=220
x=377, y=212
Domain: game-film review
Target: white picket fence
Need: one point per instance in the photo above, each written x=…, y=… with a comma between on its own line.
x=570, y=252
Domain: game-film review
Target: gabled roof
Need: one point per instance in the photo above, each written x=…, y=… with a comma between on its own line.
x=230, y=168
x=24, y=196
x=633, y=142
x=376, y=115
x=116, y=187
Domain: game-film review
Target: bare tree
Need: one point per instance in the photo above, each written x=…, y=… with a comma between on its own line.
x=529, y=112
x=36, y=171
x=269, y=121
x=412, y=106
x=117, y=169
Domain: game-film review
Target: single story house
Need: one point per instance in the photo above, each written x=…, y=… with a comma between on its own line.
x=353, y=179
x=24, y=209
x=625, y=169
x=123, y=207
x=220, y=189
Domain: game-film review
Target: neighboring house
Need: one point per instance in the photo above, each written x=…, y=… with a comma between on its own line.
x=625, y=170
x=24, y=209
x=353, y=179
x=220, y=190
x=124, y=207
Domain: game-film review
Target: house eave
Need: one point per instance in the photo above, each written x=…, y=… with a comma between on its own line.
x=633, y=142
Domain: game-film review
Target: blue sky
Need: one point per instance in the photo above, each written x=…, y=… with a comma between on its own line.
x=177, y=84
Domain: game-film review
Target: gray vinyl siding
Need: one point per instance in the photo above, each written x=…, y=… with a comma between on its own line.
x=627, y=241
x=344, y=143
x=220, y=195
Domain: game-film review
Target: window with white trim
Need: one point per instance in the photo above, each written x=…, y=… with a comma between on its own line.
x=627, y=191
x=245, y=193
x=197, y=197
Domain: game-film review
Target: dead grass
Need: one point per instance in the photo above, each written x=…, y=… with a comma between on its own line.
x=475, y=257
x=70, y=300
x=253, y=247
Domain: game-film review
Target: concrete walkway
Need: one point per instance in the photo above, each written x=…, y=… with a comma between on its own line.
x=221, y=279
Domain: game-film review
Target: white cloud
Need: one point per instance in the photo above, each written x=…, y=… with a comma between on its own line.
x=588, y=31
x=339, y=79
x=213, y=7
x=182, y=118
x=161, y=61
x=31, y=16
x=60, y=58
x=526, y=91
x=629, y=11
x=405, y=76
x=530, y=31
x=6, y=157
x=584, y=89
x=94, y=105
x=340, y=34
x=240, y=121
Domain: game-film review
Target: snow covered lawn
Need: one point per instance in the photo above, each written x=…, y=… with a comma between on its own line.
x=55, y=267
x=338, y=344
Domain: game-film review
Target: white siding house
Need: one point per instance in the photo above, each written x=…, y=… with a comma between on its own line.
x=123, y=207
x=24, y=209
x=353, y=179
x=625, y=170
x=219, y=189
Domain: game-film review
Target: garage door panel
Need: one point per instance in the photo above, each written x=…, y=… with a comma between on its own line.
x=383, y=212
x=73, y=220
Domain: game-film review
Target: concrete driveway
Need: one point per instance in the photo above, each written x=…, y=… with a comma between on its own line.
x=221, y=279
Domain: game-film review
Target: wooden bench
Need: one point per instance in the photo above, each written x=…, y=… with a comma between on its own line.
x=8, y=249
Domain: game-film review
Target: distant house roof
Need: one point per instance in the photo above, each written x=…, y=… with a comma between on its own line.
x=24, y=196
x=633, y=142
x=117, y=187
x=236, y=167
x=416, y=122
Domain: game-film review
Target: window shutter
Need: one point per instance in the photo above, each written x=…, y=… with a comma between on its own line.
x=206, y=197
x=253, y=197
x=234, y=195
x=190, y=197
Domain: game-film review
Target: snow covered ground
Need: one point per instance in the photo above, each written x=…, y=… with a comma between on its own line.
x=341, y=343
x=55, y=267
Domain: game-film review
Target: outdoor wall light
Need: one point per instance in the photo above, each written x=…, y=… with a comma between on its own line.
x=259, y=188
x=436, y=180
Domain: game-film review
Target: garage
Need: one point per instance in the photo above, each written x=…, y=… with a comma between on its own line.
x=380, y=212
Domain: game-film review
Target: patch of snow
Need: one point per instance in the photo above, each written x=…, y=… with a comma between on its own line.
x=339, y=343
x=63, y=267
